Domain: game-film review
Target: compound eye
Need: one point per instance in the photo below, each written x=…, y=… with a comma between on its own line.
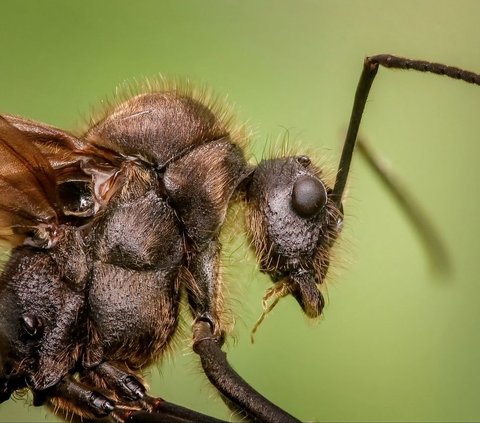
x=308, y=196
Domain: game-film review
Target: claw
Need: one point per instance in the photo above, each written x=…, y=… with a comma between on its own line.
x=205, y=327
x=101, y=404
x=136, y=389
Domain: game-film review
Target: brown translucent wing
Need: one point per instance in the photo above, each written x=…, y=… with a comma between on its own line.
x=27, y=189
x=75, y=163
x=62, y=150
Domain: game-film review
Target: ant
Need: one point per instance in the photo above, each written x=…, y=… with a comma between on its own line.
x=109, y=230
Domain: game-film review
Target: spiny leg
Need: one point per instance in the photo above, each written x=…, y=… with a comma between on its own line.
x=129, y=387
x=122, y=383
x=370, y=68
x=71, y=396
x=171, y=413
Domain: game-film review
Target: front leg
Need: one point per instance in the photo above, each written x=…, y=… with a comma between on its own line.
x=205, y=288
x=200, y=186
x=236, y=390
x=208, y=335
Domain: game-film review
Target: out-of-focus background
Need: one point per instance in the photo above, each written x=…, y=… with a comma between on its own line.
x=396, y=343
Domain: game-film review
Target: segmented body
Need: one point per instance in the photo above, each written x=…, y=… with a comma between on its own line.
x=126, y=218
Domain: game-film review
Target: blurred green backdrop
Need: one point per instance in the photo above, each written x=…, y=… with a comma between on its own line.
x=395, y=343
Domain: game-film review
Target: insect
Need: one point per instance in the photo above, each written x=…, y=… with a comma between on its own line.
x=109, y=229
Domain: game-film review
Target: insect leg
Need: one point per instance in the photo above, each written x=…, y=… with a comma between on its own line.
x=200, y=186
x=370, y=68
x=203, y=296
x=127, y=386
x=124, y=384
x=167, y=412
x=171, y=414
x=71, y=395
x=229, y=383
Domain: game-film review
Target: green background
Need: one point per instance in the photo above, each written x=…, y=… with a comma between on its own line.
x=395, y=343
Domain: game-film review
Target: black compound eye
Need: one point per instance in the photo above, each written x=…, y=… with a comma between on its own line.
x=308, y=196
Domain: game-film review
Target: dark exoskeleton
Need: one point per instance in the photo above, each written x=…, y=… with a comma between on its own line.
x=108, y=229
